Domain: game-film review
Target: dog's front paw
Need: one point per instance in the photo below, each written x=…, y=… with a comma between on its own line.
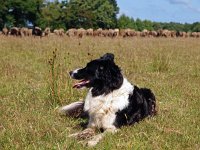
x=91, y=143
x=95, y=140
x=85, y=134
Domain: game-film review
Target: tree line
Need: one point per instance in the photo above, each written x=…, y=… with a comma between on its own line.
x=86, y=14
x=139, y=25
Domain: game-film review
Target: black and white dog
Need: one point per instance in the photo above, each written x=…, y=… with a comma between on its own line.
x=111, y=101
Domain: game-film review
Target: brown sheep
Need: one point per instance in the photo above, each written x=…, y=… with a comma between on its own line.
x=37, y=31
x=89, y=32
x=198, y=34
x=153, y=34
x=47, y=31
x=23, y=31
x=188, y=34
x=56, y=32
x=71, y=32
x=95, y=33
x=130, y=32
x=30, y=31
x=173, y=33
x=111, y=33
x=183, y=34
x=14, y=31
x=81, y=32
x=194, y=34
x=164, y=33
x=5, y=31
x=99, y=32
x=105, y=33
x=144, y=33
x=116, y=32
x=59, y=32
x=122, y=32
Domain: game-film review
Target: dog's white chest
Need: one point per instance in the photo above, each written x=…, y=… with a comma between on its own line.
x=103, y=108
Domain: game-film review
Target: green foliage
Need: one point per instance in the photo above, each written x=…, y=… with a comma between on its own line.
x=19, y=12
x=138, y=24
x=3, y=11
x=196, y=27
x=91, y=14
x=55, y=14
x=52, y=15
x=77, y=14
x=148, y=25
x=126, y=22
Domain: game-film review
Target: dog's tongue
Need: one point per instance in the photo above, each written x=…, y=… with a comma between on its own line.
x=80, y=84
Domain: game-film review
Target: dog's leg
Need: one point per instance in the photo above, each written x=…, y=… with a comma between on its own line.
x=97, y=138
x=85, y=134
x=73, y=110
x=88, y=132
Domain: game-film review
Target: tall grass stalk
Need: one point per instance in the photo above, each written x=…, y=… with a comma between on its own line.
x=54, y=70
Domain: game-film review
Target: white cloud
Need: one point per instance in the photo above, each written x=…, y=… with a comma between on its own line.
x=186, y=3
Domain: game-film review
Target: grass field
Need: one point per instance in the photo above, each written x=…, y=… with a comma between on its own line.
x=34, y=82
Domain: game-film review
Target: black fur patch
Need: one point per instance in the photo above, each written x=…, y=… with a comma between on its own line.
x=142, y=103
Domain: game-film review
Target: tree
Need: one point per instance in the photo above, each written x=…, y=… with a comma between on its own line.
x=187, y=27
x=139, y=24
x=156, y=26
x=195, y=27
x=91, y=13
x=126, y=22
x=148, y=25
x=19, y=12
x=52, y=15
x=5, y=18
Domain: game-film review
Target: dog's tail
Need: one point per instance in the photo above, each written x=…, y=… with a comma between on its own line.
x=151, y=101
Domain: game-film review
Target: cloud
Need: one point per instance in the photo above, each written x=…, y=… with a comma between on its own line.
x=194, y=8
x=186, y=3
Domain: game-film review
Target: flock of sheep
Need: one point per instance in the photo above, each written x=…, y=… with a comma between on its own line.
x=36, y=31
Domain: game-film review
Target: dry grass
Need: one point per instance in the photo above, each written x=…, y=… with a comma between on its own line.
x=31, y=91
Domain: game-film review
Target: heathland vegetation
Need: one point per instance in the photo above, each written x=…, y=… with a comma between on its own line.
x=35, y=82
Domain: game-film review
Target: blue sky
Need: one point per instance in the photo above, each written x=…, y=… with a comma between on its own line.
x=162, y=10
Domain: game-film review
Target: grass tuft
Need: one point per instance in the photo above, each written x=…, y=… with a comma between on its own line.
x=160, y=63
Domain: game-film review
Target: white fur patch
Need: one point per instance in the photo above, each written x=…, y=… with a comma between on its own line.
x=102, y=109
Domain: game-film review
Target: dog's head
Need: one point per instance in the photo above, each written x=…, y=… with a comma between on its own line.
x=102, y=74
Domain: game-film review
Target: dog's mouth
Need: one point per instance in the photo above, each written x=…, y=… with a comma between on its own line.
x=81, y=84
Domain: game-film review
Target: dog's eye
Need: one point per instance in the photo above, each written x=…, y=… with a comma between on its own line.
x=101, y=67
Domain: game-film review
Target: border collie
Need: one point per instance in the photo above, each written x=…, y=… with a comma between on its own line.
x=111, y=102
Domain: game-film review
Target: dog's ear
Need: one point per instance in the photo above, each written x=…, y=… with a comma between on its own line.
x=108, y=56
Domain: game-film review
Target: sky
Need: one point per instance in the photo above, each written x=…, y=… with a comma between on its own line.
x=183, y=11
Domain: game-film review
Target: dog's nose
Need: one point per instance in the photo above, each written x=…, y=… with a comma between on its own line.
x=70, y=73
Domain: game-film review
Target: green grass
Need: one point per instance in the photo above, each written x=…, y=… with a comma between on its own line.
x=32, y=88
